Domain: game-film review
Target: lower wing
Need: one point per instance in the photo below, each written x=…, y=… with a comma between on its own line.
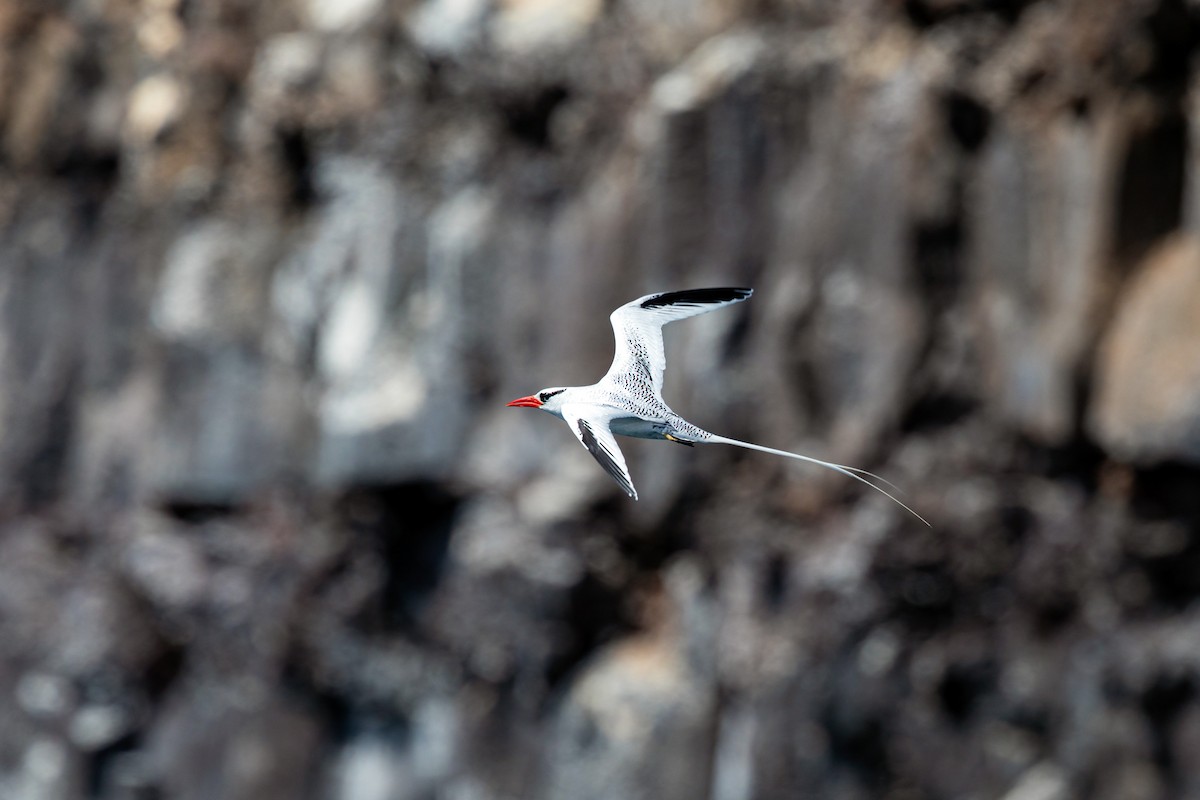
x=592, y=430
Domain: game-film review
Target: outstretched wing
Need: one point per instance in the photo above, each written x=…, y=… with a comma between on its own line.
x=593, y=432
x=638, y=329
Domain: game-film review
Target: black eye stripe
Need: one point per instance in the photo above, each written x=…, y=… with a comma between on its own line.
x=544, y=396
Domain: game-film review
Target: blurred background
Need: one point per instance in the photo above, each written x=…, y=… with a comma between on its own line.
x=270, y=271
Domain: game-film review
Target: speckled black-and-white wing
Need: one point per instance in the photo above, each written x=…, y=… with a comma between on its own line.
x=638, y=330
x=590, y=425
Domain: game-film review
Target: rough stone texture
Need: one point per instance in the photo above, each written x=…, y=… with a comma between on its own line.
x=269, y=271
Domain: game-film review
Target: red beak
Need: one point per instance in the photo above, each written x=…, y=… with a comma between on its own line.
x=526, y=402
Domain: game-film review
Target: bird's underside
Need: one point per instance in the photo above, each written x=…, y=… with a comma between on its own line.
x=627, y=401
x=600, y=441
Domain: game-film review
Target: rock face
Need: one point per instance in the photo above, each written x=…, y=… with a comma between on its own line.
x=269, y=271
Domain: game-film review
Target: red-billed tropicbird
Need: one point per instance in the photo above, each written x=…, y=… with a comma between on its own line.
x=628, y=400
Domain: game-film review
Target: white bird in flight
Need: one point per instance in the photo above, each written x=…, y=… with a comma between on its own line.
x=628, y=399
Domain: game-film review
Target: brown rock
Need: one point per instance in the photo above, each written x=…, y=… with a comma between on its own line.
x=1148, y=399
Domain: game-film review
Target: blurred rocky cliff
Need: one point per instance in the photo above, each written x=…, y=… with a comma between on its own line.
x=269, y=272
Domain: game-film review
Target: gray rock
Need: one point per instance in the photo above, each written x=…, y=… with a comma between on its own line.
x=1040, y=237
x=236, y=741
x=447, y=26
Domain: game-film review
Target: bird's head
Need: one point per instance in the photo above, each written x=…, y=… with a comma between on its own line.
x=550, y=400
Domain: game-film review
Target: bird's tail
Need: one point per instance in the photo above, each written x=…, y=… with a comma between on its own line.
x=851, y=472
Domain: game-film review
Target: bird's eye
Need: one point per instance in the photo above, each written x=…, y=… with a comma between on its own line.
x=542, y=396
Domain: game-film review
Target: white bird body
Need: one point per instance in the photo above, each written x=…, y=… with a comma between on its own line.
x=628, y=401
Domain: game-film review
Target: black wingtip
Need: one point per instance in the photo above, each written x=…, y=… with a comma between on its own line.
x=698, y=297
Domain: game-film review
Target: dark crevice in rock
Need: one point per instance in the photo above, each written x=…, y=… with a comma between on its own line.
x=938, y=269
x=938, y=262
x=1162, y=702
x=1033, y=719
x=433, y=88
x=1053, y=612
x=1081, y=454
x=1078, y=459
x=922, y=597
x=964, y=686
x=407, y=526
x=938, y=257
x=1168, y=491
x=43, y=471
x=1015, y=522
x=1149, y=197
x=116, y=769
x=528, y=117
x=803, y=372
x=968, y=119
x=195, y=510
x=857, y=738
x=295, y=152
x=101, y=772
x=89, y=167
x=1174, y=29
x=648, y=551
x=927, y=13
x=595, y=614
x=1031, y=80
x=1008, y=10
x=92, y=174
x=339, y=715
x=921, y=15
x=775, y=582
x=161, y=673
x=937, y=411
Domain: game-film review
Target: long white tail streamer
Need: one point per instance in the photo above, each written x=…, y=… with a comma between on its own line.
x=850, y=472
